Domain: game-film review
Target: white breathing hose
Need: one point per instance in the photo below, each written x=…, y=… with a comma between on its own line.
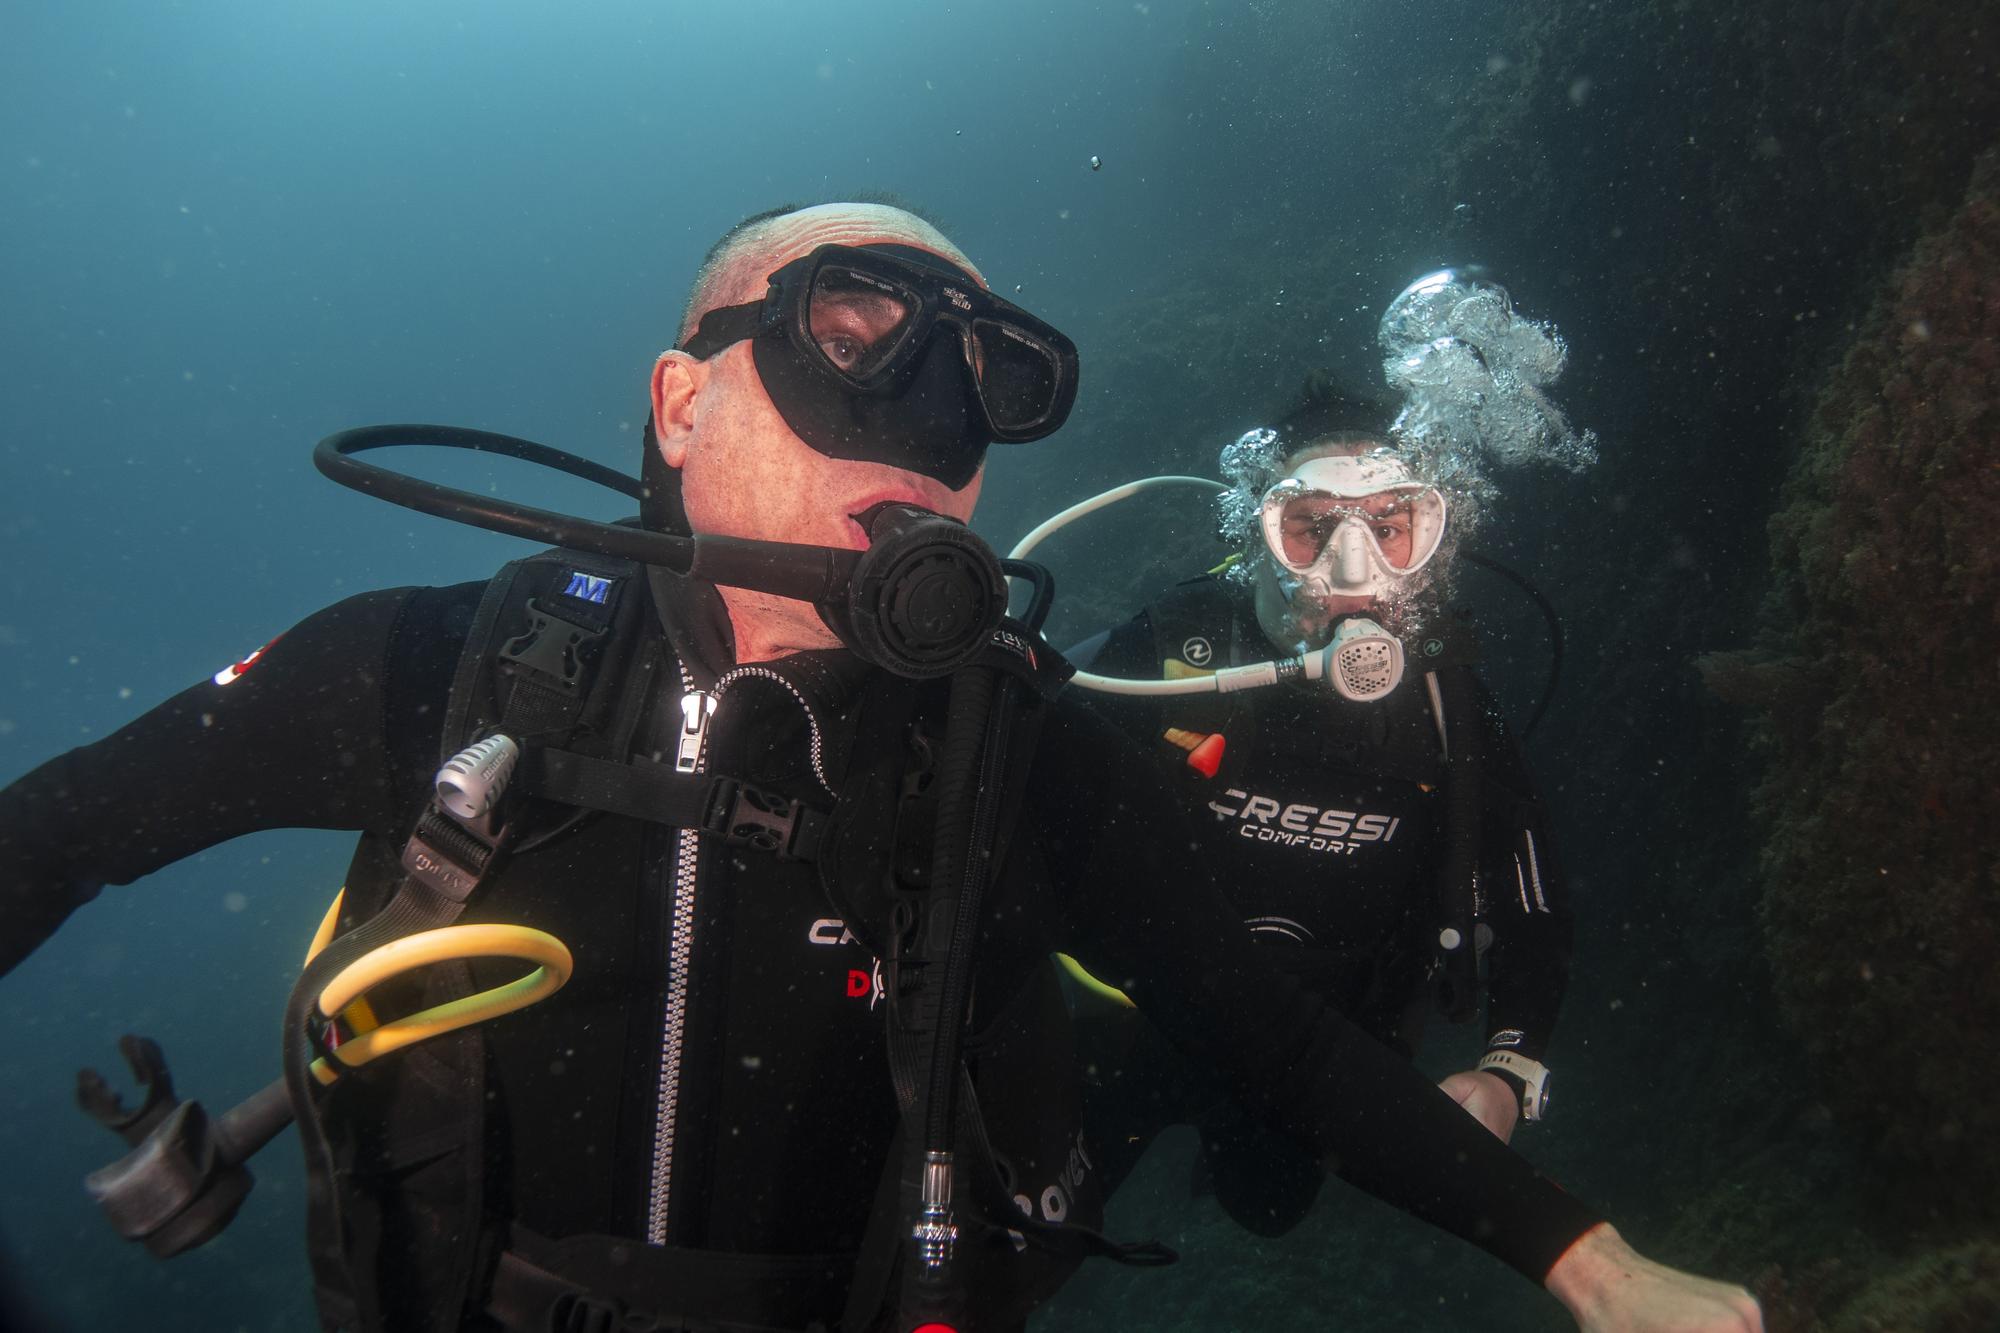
x=1226, y=681
x=1097, y=502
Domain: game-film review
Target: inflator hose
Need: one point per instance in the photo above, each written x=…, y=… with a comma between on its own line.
x=968, y=811
x=970, y=788
x=1549, y=617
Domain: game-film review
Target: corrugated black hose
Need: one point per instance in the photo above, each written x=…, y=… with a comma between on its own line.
x=969, y=792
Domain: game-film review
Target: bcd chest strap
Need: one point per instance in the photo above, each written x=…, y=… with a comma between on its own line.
x=609, y=1284
x=575, y=737
x=737, y=812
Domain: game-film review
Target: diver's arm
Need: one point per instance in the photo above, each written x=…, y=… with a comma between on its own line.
x=1143, y=916
x=1528, y=909
x=1487, y=1098
x=1527, y=903
x=1527, y=974
x=299, y=739
x=1137, y=920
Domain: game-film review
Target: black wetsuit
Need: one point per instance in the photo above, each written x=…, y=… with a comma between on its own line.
x=1324, y=824
x=778, y=1116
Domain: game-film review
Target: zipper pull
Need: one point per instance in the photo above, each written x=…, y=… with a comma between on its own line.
x=696, y=709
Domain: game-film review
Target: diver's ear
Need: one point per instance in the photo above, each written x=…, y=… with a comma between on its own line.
x=677, y=380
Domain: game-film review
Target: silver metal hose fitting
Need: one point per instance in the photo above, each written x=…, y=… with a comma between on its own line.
x=472, y=781
x=935, y=1232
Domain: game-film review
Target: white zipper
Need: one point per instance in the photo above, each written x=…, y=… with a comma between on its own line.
x=691, y=756
x=728, y=678
x=696, y=710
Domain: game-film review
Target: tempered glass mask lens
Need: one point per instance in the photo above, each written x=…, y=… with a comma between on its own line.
x=1017, y=375
x=858, y=320
x=1309, y=522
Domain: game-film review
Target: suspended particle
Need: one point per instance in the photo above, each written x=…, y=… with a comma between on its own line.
x=1096, y=162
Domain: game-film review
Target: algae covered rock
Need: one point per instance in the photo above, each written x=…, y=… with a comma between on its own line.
x=1950, y=1291
x=1882, y=903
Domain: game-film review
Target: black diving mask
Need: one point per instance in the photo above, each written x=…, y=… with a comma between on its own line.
x=850, y=344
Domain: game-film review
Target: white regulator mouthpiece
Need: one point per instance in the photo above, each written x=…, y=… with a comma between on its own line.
x=472, y=781
x=1363, y=662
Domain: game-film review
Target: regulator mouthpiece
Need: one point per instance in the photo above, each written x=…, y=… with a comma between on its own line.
x=472, y=781
x=924, y=598
x=1363, y=662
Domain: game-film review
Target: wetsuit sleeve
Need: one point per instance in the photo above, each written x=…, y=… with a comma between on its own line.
x=1526, y=903
x=335, y=725
x=1140, y=911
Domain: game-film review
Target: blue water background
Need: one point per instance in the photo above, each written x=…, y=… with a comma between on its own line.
x=227, y=229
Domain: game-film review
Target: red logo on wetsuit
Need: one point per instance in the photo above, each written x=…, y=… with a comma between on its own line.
x=230, y=674
x=862, y=983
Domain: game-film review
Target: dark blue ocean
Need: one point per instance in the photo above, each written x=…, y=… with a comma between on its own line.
x=228, y=229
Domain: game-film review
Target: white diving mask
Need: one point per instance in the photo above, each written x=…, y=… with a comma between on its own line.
x=1351, y=526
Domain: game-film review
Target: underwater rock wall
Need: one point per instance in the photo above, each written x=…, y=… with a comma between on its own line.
x=1882, y=875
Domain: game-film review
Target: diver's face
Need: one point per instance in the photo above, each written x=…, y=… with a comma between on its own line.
x=744, y=473
x=1308, y=523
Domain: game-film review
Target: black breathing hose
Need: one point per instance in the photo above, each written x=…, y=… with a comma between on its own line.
x=808, y=573
x=1555, y=633
x=968, y=810
x=970, y=787
x=922, y=600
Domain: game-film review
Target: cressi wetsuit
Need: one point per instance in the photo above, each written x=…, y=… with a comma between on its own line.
x=1324, y=825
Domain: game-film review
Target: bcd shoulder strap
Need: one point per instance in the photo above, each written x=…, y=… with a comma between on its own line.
x=538, y=647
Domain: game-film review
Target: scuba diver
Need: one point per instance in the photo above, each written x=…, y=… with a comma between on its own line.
x=789, y=820
x=1325, y=801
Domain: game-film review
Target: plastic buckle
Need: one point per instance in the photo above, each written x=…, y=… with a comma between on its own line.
x=552, y=647
x=447, y=857
x=575, y=1312
x=745, y=816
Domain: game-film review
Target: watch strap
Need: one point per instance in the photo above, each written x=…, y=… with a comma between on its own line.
x=1530, y=1079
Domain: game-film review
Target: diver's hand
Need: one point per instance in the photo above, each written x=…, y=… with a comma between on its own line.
x=1487, y=1098
x=1611, y=1288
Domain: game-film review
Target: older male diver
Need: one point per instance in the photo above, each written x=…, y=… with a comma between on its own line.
x=808, y=818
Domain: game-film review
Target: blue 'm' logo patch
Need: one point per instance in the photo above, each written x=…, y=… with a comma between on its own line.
x=587, y=587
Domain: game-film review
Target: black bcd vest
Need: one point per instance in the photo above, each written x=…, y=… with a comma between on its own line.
x=417, y=1174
